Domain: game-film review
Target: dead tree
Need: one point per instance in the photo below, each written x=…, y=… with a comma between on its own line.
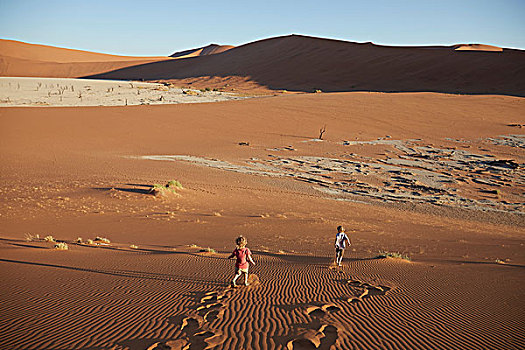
x=321, y=132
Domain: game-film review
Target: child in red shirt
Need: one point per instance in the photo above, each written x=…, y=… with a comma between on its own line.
x=243, y=255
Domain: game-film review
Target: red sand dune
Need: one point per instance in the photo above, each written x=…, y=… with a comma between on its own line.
x=295, y=63
x=21, y=59
x=202, y=51
x=303, y=63
x=18, y=59
x=45, y=53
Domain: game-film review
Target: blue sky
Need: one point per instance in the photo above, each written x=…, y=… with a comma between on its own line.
x=158, y=27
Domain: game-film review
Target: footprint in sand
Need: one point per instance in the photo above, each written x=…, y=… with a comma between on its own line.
x=323, y=337
x=366, y=290
x=196, y=332
x=316, y=334
x=321, y=311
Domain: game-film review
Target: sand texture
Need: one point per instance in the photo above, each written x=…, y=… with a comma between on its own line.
x=433, y=176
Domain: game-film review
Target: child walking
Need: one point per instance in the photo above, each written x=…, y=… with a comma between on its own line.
x=340, y=244
x=243, y=255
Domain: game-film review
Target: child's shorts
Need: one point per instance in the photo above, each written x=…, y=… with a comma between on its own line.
x=239, y=270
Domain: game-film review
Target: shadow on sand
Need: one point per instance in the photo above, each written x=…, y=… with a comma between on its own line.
x=142, y=275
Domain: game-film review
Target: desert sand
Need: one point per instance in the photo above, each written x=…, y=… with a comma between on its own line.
x=435, y=177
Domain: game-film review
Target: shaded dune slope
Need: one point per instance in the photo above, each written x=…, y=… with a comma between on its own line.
x=305, y=63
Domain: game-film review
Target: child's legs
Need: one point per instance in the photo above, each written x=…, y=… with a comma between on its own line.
x=340, y=253
x=238, y=273
x=245, y=271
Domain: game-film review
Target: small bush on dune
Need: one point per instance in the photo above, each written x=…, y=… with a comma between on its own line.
x=133, y=246
x=397, y=255
x=171, y=186
x=49, y=238
x=90, y=242
x=208, y=250
x=174, y=184
x=79, y=240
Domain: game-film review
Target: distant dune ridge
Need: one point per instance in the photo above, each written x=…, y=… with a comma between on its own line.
x=21, y=59
x=302, y=63
x=45, y=53
x=477, y=47
x=202, y=51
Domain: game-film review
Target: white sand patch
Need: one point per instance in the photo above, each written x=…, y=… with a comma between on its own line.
x=37, y=92
x=422, y=174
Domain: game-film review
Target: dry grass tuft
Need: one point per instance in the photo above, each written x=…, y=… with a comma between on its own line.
x=31, y=238
x=102, y=240
x=208, y=250
x=49, y=238
x=61, y=246
x=396, y=255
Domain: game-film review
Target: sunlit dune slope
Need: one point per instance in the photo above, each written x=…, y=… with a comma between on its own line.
x=31, y=60
x=477, y=47
x=202, y=51
x=21, y=50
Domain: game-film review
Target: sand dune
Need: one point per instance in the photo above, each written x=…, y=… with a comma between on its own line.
x=156, y=298
x=294, y=63
x=19, y=59
x=306, y=64
x=202, y=51
x=45, y=53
